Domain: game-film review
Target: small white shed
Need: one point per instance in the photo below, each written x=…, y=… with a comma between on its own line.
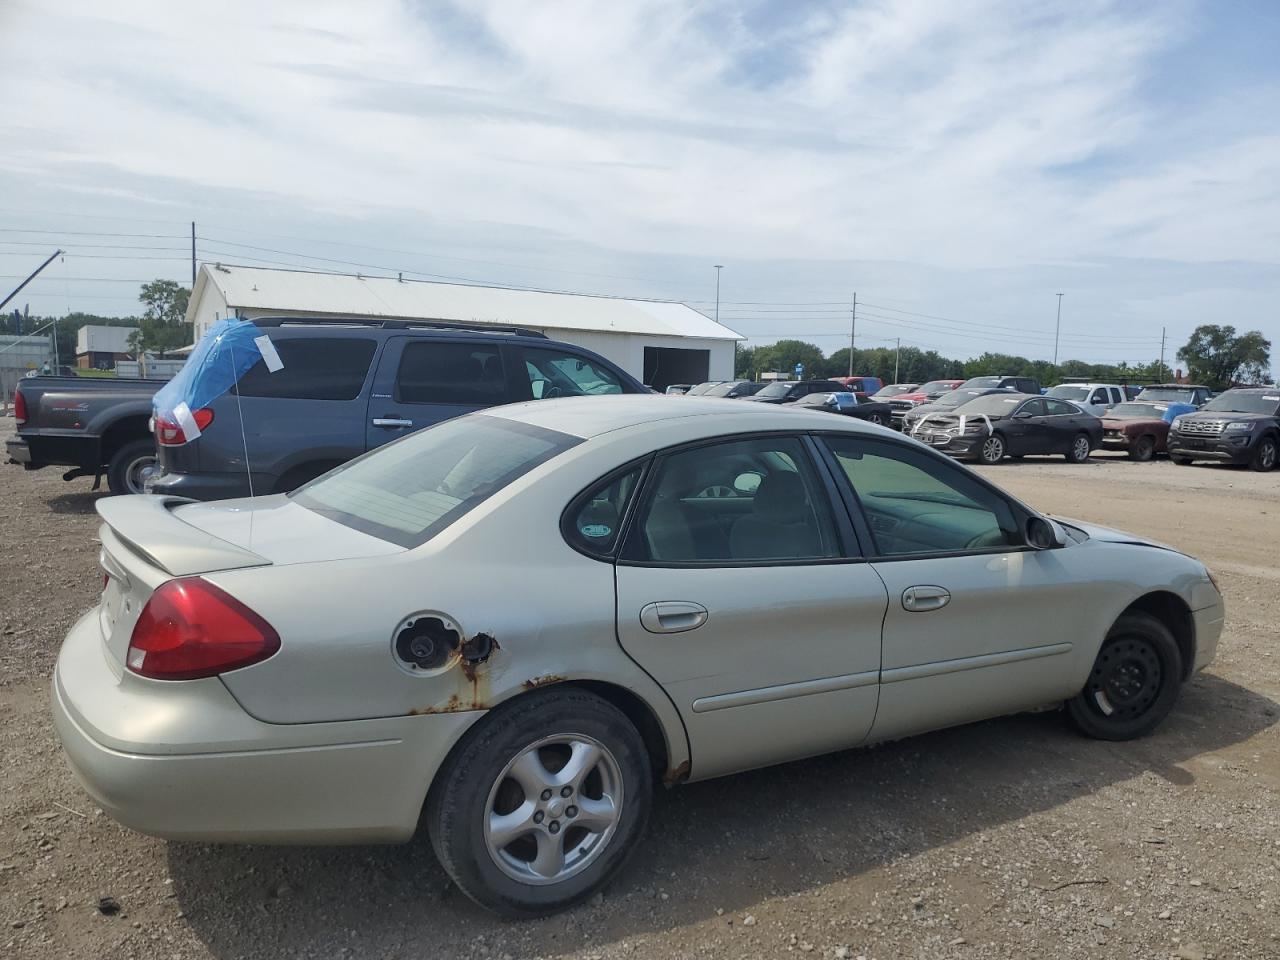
x=657, y=341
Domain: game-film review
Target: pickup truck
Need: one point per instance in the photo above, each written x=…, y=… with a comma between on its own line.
x=95, y=426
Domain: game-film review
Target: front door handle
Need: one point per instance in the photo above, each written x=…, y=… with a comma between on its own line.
x=391, y=422
x=672, y=616
x=924, y=598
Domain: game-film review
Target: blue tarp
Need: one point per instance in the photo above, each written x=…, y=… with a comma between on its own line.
x=227, y=350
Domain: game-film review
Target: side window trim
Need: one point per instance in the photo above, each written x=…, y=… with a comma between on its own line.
x=850, y=497
x=628, y=554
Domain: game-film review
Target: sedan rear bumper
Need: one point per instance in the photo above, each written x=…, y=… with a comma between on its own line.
x=181, y=759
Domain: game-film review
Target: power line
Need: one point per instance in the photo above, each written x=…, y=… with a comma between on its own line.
x=91, y=233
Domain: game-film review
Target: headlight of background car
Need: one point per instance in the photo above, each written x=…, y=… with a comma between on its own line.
x=1240, y=426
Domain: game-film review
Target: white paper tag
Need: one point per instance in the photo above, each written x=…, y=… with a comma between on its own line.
x=182, y=413
x=269, y=355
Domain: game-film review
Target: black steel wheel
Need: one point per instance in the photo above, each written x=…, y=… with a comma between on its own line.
x=1143, y=449
x=1134, y=682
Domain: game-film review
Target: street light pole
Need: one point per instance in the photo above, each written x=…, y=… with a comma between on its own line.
x=719, y=267
x=853, y=326
x=897, y=353
x=1057, y=327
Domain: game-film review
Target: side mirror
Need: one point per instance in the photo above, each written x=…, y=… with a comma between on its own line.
x=1044, y=534
x=1022, y=415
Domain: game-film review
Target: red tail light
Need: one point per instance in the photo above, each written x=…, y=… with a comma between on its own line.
x=169, y=432
x=191, y=629
x=19, y=408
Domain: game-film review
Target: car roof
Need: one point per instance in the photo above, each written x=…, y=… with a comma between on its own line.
x=1175, y=386
x=588, y=417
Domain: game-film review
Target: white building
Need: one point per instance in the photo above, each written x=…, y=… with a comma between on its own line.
x=99, y=347
x=657, y=341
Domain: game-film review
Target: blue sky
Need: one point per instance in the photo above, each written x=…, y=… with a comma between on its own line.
x=957, y=164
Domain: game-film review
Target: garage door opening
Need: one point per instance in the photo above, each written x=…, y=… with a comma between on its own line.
x=664, y=366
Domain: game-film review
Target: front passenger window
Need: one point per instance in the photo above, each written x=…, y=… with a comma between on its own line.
x=747, y=500
x=555, y=373
x=917, y=504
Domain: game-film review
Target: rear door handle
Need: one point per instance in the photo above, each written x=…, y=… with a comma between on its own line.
x=923, y=598
x=391, y=422
x=672, y=616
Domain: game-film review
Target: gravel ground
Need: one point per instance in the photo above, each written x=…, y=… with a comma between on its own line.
x=1012, y=838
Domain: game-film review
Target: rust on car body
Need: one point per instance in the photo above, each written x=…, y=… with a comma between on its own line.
x=543, y=681
x=678, y=774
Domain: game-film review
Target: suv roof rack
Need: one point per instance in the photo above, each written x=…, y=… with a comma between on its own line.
x=400, y=323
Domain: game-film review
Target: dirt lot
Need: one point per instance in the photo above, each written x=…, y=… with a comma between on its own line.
x=1012, y=838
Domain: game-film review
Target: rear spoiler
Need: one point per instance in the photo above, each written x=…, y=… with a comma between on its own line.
x=146, y=526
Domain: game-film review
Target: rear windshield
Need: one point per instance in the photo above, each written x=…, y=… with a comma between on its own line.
x=1240, y=402
x=411, y=490
x=332, y=368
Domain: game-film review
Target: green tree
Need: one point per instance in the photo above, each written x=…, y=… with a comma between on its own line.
x=163, y=325
x=785, y=354
x=1217, y=357
x=744, y=360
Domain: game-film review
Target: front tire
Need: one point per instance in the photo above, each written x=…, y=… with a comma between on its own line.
x=130, y=466
x=1078, y=452
x=1143, y=449
x=541, y=803
x=1181, y=461
x=992, y=450
x=1264, y=458
x=877, y=419
x=1134, y=682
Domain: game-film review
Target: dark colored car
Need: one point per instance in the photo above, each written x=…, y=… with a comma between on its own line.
x=349, y=386
x=1193, y=394
x=1140, y=428
x=1237, y=426
x=733, y=389
x=1003, y=424
x=850, y=405
x=904, y=403
x=944, y=404
x=862, y=386
x=1020, y=384
x=789, y=391
x=95, y=425
x=889, y=391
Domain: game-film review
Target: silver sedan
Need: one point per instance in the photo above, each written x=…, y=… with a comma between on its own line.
x=510, y=627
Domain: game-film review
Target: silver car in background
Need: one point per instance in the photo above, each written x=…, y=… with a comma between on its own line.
x=511, y=626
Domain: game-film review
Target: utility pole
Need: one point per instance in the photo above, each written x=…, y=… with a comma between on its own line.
x=719, y=267
x=1160, y=373
x=1056, y=329
x=897, y=352
x=853, y=327
x=193, y=256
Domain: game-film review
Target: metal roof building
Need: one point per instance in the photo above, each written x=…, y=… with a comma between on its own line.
x=658, y=341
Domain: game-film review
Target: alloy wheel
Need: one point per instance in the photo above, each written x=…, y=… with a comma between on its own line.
x=553, y=809
x=992, y=449
x=1080, y=449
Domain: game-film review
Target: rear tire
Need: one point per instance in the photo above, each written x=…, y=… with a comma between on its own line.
x=1265, y=456
x=1079, y=450
x=130, y=466
x=482, y=783
x=1143, y=449
x=1134, y=682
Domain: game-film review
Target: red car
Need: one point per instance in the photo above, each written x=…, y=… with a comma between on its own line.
x=1139, y=428
x=904, y=403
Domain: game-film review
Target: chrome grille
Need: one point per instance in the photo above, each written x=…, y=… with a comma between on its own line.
x=1202, y=428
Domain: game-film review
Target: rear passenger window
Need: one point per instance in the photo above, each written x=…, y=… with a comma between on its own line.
x=597, y=517
x=330, y=369
x=432, y=371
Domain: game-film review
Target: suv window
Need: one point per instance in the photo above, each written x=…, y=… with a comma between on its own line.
x=556, y=373
x=435, y=371
x=597, y=517
x=408, y=491
x=330, y=369
x=1025, y=386
x=741, y=500
x=916, y=503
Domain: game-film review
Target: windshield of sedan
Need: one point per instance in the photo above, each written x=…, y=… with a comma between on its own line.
x=1130, y=411
x=937, y=386
x=1069, y=392
x=957, y=397
x=994, y=404
x=983, y=382
x=779, y=388
x=411, y=490
x=702, y=388
x=722, y=389
x=1237, y=401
